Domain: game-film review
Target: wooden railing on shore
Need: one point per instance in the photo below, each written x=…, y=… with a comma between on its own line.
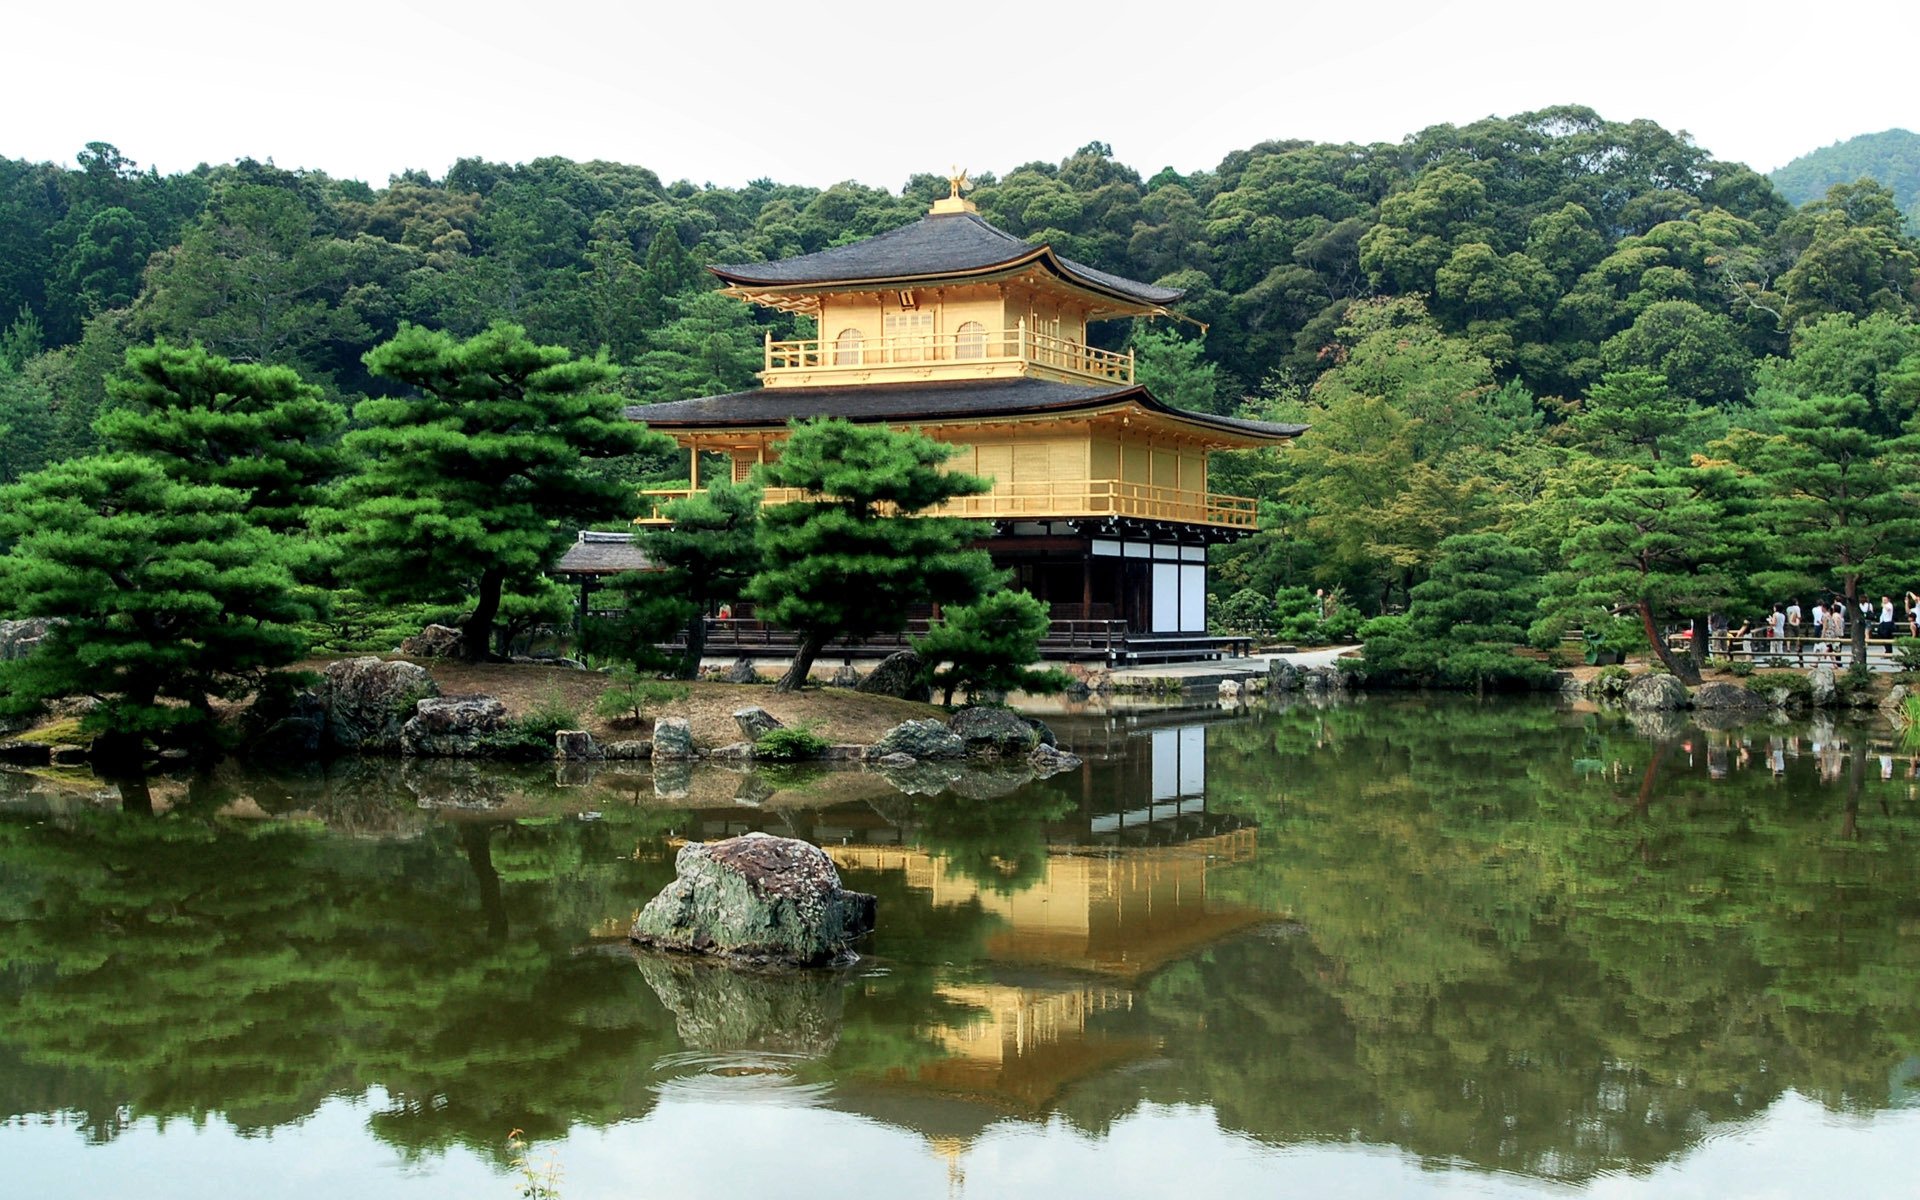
x=1763, y=649
x=1050, y=498
x=1068, y=639
x=976, y=346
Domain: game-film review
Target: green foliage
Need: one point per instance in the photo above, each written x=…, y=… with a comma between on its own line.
x=476, y=484
x=170, y=597
x=1173, y=369
x=630, y=694
x=1465, y=620
x=789, y=745
x=853, y=559
x=259, y=430
x=990, y=645
x=1245, y=611
x=708, y=554
x=1906, y=650
x=1891, y=158
x=1662, y=541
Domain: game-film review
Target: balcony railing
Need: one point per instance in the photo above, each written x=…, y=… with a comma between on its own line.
x=1052, y=498
x=948, y=354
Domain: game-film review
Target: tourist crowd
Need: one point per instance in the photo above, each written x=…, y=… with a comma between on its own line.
x=1823, y=629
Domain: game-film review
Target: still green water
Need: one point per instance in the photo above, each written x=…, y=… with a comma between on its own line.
x=1420, y=948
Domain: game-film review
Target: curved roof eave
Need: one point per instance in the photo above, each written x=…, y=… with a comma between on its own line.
x=949, y=246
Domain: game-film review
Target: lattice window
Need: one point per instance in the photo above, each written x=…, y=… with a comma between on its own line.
x=910, y=334
x=847, y=347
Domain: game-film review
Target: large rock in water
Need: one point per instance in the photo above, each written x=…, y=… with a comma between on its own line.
x=455, y=727
x=758, y=899
x=1654, y=693
x=897, y=675
x=368, y=701
x=992, y=732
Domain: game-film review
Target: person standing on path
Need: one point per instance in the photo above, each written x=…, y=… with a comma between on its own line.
x=1793, y=628
x=1777, y=627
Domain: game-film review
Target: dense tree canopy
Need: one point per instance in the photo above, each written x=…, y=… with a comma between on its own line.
x=1471, y=318
x=475, y=484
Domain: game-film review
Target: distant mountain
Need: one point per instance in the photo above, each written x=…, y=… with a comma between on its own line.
x=1893, y=158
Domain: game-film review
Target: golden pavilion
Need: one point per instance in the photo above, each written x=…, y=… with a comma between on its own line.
x=1100, y=504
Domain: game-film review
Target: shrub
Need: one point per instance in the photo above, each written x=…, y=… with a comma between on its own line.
x=789, y=745
x=1246, y=611
x=630, y=694
x=1907, y=651
x=1610, y=683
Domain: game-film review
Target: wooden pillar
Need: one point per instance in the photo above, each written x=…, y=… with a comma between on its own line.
x=693, y=470
x=1086, y=586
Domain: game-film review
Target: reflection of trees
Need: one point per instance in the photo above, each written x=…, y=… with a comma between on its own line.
x=1511, y=943
x=184, y=965
x=1513, y=955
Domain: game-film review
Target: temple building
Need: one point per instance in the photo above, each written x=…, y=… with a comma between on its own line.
x=1100, y=504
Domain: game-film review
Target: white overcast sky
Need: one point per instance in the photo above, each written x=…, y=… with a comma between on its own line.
x=724, y=92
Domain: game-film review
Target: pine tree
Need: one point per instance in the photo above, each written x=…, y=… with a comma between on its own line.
x=166, y=591
x=1662, y=541
x=990, y=646
x=853, y=558
x=1633, y=409
x=1466, y=618
x=1839, y=507
x=257, y=429
x=476, y=483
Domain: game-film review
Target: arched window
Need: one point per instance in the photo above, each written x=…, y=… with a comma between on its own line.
x=970, y=340
x=846, y=348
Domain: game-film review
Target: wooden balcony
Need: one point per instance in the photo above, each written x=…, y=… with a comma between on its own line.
x=1052, y=499
x=975, y=354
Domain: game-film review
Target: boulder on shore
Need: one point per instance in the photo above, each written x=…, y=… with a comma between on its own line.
x=1654, y=693
x=1822, y=685
x=576, y=745
x=920, y=740
x=755, y=721
x=369, y=700
x=454, y=727
x=672, y=740
x=757, y=899
x=435, y=641
x=1729, y=697
x=897, y=675
x=990, y=732
x=742, y=671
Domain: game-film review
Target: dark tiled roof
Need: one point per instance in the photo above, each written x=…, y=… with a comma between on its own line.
x=602, y=554
x=932, y=247
x=915, y=402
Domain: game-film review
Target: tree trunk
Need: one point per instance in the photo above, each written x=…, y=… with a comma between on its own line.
x=477, y=637
x=1857, y=624
x=1697, y=649
x=696, y=646
x=803, y=656
x=476, y=838
x=1682, y=668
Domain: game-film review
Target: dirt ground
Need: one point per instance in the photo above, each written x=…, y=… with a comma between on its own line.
x=836, y=714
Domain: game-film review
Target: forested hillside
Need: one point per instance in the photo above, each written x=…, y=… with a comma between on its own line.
x=1891, y=158
x=1444, y=310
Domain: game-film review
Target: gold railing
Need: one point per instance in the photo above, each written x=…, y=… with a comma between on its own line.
x=1053, y=498
x=980, y=346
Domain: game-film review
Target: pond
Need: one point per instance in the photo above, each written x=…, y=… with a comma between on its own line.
x=1401, y=947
